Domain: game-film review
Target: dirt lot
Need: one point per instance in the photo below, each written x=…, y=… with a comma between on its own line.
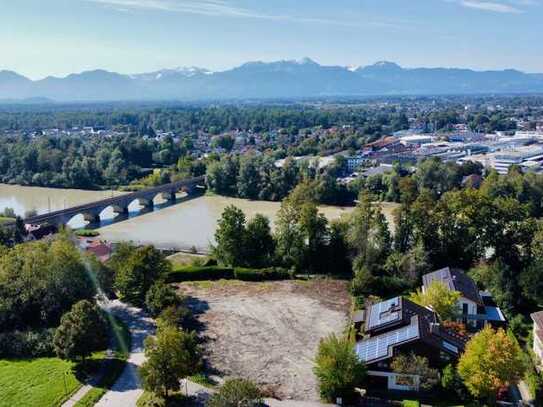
x=269, y=332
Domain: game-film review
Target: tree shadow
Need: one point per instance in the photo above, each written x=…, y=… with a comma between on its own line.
x=197, y=307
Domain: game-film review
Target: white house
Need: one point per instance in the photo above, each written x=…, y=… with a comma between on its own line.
x=476, y=307
x=537, y=317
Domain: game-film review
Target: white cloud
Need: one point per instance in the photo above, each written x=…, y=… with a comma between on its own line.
x=498, y=6
x=223, y=8
x=491, y=6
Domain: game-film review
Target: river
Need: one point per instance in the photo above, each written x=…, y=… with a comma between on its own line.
x=181, y=226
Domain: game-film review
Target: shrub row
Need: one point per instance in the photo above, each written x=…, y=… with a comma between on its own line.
x=269, y=274
x=199, y=273
x=27, y=344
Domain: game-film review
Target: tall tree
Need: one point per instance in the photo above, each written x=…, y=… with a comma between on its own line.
x=338, y=368
x=491, y=361
x=440, y=298
x=82, y=331
x=230, y=237
x=259, y=245
x=142, y=268
x=171, y=356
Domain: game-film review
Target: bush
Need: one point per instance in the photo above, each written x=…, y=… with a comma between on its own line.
x=27, y=344
x=210, y=262
x=82, y=331
x=136, y=270
x=198, y=273
x=338, y=368
x=159, y=297
x=86, y=233
x=176, y=315
x=269, y=274
x=236, y=392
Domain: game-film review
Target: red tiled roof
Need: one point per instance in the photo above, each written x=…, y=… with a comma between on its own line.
x=100, y=249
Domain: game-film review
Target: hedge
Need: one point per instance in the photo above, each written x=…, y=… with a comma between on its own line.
x=27, y=344
x=268, y=274
x=199, y=273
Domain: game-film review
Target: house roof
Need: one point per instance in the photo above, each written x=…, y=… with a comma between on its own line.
x=454, y=279
x=383, y=142
x=100, y=250
x=410, y=322
x=537, y=317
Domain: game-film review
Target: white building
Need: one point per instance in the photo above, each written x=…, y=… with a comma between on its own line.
x=416, y=139
x=476, y=308
x=537, y=317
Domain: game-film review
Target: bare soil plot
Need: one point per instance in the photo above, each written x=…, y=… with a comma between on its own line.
x=269, y=332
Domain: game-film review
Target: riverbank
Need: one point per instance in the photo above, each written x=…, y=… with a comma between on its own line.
x=192, y=224
x=23, y=199
x=185, y=226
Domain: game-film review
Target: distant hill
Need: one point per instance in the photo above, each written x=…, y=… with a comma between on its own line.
x=282, y=79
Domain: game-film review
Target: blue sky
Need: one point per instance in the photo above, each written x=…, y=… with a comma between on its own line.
x=57, y=37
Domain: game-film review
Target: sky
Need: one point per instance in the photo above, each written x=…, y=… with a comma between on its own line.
x=58, y=37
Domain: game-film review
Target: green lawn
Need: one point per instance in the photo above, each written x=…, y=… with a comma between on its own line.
x=36, y=382
x=40, y=382
x=4, y=219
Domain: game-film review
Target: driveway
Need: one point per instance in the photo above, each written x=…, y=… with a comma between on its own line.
x=127, y=389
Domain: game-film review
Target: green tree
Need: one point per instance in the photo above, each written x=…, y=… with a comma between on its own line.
x=440, y=298
x=416, y=365
x=230, y=237
x=491, y=360
x=338, y=368
x=175, y=315
x=248, y=178
x=82, y=331
x=142, y=268
x=289, y=235
x=368, y=235
x=40, y=281
x=236, y=393
x=171, y=356
x=159, y=297
x=259, y=243
x=314, y=227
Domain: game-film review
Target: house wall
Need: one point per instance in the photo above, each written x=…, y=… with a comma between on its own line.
x=472, y=306
x=537, y=346
x=400, y=382
x=472, y=309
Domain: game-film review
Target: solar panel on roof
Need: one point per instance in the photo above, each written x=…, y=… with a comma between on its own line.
x=384, y=312
x=378, y=347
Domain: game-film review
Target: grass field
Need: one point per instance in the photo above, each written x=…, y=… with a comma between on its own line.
x=48, y=382
x=4, y=219
x=36, y=382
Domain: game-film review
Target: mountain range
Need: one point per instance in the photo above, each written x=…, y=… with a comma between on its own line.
x=263, y=80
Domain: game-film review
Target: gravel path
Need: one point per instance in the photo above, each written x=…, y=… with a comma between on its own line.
x=126, y=391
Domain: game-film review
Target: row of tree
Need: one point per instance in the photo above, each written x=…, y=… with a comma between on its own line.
x=258, y=177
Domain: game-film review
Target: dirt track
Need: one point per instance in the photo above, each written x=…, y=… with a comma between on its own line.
x=269, y=332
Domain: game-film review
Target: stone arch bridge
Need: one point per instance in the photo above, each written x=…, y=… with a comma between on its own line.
x=91, y=211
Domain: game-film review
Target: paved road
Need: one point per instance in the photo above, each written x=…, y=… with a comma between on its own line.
x=126, y=391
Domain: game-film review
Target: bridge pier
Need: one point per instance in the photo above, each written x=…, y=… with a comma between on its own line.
x=120, y=210
x=169, y=196
x=91, y=217
x=146, y=203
